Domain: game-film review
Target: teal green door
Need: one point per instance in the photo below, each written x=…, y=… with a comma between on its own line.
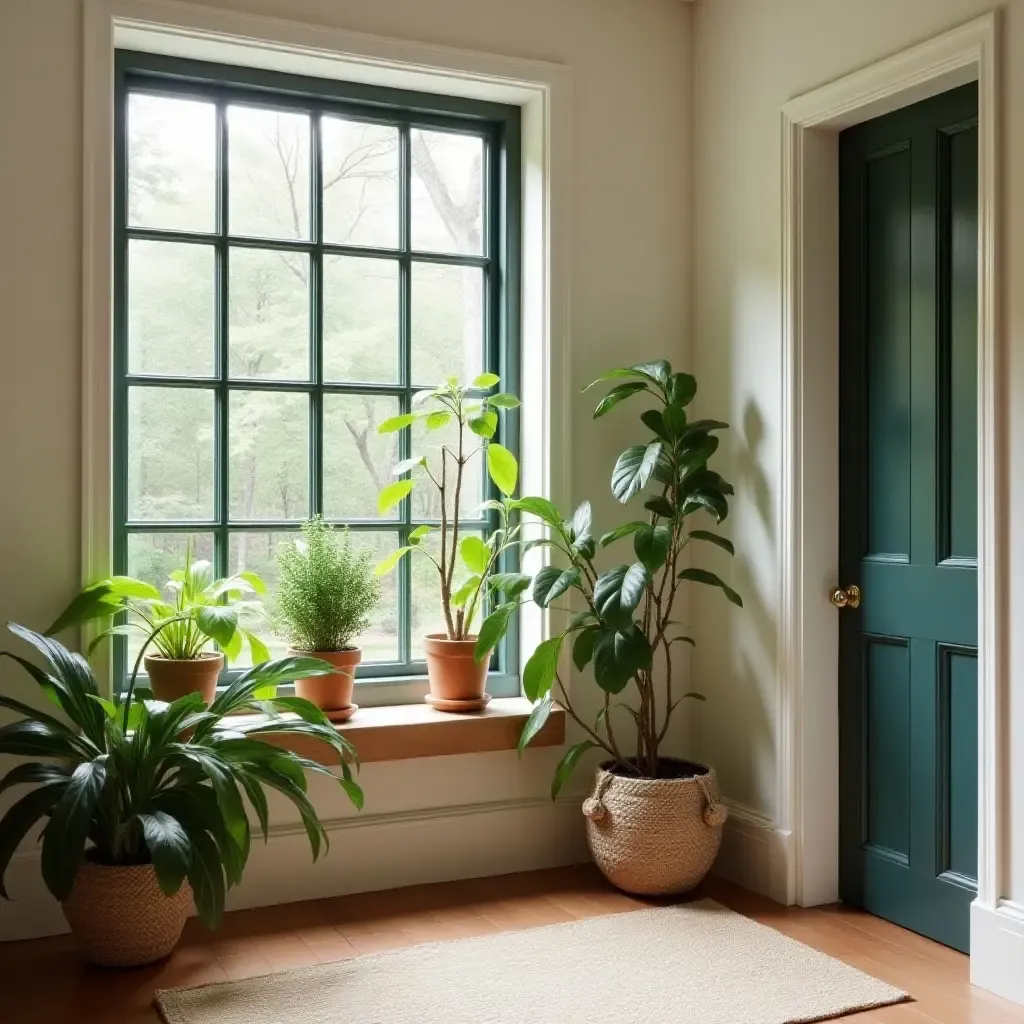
x=908, y=524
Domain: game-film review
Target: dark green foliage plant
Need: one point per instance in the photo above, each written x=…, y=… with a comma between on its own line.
x=140, y=781
x=326, y=589
x=626, y=619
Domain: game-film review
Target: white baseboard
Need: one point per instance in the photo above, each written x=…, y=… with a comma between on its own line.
x=997, y=949
x=755, y=854
x=367, y=853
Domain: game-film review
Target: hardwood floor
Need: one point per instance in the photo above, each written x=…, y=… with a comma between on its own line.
x=44, y=981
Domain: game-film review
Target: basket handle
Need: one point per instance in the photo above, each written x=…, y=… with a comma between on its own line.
x=716, y=812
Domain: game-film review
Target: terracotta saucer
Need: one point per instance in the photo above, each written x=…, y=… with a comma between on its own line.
x=458, y=706
x=342, y=714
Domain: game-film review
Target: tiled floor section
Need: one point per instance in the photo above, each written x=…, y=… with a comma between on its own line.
x=43, y=982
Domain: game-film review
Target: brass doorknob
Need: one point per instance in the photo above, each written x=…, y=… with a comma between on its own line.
x=846, y=597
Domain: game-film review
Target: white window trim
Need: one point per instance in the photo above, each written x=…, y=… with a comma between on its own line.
x=541, y=90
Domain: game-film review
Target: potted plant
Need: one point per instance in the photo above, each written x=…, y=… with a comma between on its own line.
x=197, y=610
x=457, y=662
x=326, y=591
x=143, y=800
x=654, y=822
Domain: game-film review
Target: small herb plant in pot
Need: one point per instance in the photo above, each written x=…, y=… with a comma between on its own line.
x=326, y=592
x=143, y=802
x=457, y=663
x=654, y=822
x=196, y=611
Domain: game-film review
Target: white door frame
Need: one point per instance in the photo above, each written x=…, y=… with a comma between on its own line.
x=808, y=637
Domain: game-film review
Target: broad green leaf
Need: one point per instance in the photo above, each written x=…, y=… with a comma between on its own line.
x=254, y=580
x=633, y=470
x=219, y=622
x=568, y=763
x=681, y=389
x=619, y=655
x=538, y=716
x=484, y=425
x=551, y=582
x=713, y=538
x=696, y=454
x=70, y=824
x=618, y=394
x=466, y=591
x=509, y=584
x=206, y=877
x=502, y=467
x=233, y=648
x=408, y=465
x=94, y=602
x=583, y=647
x=390, y=425
x=21, y=816
x=109, y=708
x=674, y=420
x=619, y=532
x=582, y=521
x=27, y=738
x=438, y=419
x=391, y=494
x=539, y=671
x=169, y=849
x=494, y=627
x=539, y=507
x=353, y=791
x=660, y=506
x=476, y=555
x=651, y=418
x=703, y=576
x=385, y=566
x=259, y=650
x=416, y=535
x=705, y=426
x=657, y=370
x=710, y=501
x=486, y=380
x=652, y=545
x=503, y=401
x=619, y=590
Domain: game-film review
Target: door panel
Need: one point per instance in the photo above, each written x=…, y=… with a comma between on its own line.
x=908, y=480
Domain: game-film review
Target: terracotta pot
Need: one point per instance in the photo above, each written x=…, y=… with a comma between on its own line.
x=332, y=692
x=170, y=678
x=655, y=836
x=453, y=672
x=121, y=918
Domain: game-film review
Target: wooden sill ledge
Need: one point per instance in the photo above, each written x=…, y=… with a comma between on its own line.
x=418, y=730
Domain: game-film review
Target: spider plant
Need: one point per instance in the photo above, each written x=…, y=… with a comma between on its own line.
x=138, y=781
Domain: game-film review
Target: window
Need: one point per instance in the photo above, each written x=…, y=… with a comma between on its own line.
x=294, y=258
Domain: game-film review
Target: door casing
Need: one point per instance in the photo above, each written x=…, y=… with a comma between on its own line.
x=808, y=770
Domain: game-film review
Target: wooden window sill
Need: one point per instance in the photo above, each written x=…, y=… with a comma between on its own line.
x=417, y=730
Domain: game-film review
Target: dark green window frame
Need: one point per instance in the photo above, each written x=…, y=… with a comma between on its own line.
x=499, y=128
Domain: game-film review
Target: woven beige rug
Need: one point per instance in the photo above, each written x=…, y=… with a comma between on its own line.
x=694, y=964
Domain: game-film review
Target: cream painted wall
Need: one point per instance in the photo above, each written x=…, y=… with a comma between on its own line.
x=628, y=287
x=750, y=57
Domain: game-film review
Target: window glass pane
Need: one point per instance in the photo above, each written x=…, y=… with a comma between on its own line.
x=427, y=614
x=268, y=172
x=380, y=640
x=360, y=319
x=447, y=192
x=171, y=329
x=269, y=455
x=171, y=163
x=153, y=557
x=360, y=175
x=357, y=460
x=170, y=453
x=268, y=304
x=257, y=552
x=426, y=501
x=447, y=323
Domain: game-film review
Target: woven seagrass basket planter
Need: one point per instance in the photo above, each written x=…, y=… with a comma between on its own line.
x=121, y=918
x=655, y=836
